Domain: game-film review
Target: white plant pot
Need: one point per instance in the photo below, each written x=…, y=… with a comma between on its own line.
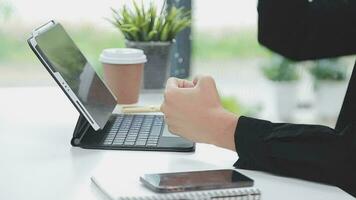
x=285, y=93
x=329, y=98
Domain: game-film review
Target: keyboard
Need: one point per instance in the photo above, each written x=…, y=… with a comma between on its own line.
x=135, y=130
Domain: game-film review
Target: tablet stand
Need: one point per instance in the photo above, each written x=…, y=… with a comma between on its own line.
x=81, y=128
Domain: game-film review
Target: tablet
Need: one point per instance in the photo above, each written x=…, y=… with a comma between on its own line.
x=196, y=180
x=73, y=73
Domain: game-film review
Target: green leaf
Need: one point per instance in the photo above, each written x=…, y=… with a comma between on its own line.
x=138, y=12
x=280, y=69
x=152, y=35
x=329, y=69
x=165, y=32
x=142, y=24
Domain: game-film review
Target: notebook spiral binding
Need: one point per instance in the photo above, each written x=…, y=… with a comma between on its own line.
x=225, y=194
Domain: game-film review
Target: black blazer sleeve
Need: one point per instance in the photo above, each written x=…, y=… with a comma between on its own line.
x=311, y=152
x=308, y=29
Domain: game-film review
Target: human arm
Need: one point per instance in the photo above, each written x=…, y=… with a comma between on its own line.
x=302, y=29
x=311, y=152
x=193, y=110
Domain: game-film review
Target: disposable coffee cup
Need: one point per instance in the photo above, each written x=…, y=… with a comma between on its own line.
x=123, y=68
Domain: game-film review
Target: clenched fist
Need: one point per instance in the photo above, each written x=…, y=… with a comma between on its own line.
x=193, y=110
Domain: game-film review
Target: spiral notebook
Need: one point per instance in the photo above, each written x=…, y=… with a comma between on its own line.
x=134, y=191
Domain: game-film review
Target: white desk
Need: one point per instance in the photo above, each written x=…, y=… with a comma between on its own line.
x=37, y=161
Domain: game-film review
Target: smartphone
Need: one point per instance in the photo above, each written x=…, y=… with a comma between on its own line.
x=195, y=180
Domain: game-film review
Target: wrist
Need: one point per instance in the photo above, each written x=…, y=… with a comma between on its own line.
x=225, y=137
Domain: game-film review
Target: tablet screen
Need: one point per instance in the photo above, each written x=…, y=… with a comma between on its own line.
x=65, y=57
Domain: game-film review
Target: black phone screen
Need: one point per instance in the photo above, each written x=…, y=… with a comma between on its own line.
x=196, y=180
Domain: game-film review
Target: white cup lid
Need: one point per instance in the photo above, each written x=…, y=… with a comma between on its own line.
x=122, y=56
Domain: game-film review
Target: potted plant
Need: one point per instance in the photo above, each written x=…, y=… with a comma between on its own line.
x=283, y=75
x=152, y=31
x=330, y=86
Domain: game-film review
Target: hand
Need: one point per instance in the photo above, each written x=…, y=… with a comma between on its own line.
x=193, y=111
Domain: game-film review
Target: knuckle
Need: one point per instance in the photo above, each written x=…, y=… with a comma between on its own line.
x=208, y=78
x=208, y=81
x=171, y=79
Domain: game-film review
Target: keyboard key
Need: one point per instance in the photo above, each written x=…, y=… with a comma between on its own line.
x=152, y=142
x=120, y=138
x=153, y=136
x=117, y=143
x=156, y=129
x=140, y=143
x=129, y=143
x=156, y=133
x=109, y=138
x=152, y=139
x=138, y=130
x=132, y=136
